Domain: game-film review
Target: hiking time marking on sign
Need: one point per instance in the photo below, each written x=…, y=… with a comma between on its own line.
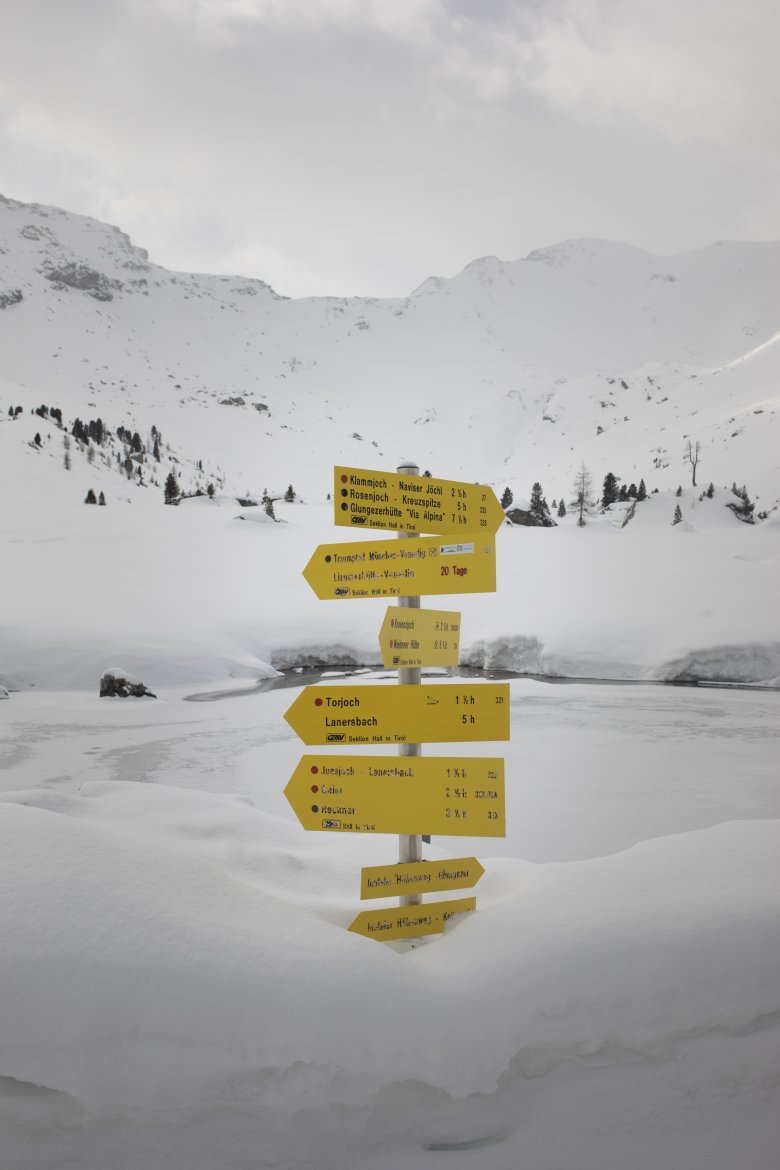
x=402, y=568
x=388, y=794
x=419, y=637
x=383, y=499
x=441, y=713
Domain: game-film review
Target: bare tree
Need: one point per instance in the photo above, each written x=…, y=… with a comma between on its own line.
x=691, y=455
x=582, y=488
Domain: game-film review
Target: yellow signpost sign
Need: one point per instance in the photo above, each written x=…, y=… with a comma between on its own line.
x=413, y=795
x=403, y=568
x=383, y=499
x=410, y=921
x=419, y=877
x=442, y=713
x=420, y=637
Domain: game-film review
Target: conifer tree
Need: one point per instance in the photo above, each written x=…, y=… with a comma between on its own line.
x=677, y=515
x=507, y=498
x=102, y=500
x=539, y=509
x=289, y=495
x=171, y=489
x=642, y=491
x=90, y=497
x=609, y=490
x=561, y=508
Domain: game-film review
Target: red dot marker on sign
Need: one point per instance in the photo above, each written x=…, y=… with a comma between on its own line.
x=315, y=787
x=318, y=702
x=343, y=479
x=314, y=769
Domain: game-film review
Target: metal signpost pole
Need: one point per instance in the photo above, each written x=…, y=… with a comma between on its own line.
x=409, y=845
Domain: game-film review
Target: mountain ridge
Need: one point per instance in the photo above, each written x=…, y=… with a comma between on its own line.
x=585, y=350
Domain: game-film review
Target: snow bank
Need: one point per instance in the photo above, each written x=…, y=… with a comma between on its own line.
x=202, y=598
x=143, y=968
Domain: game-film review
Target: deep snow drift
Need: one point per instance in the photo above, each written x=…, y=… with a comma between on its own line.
x=178, y=986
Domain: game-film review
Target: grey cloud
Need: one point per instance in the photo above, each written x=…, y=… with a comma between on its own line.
x=335, y=147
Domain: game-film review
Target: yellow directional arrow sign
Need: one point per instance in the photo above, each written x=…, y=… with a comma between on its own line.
x=420, y=637
x=403, y=568
x=419, y=877
x=443, y=713
x=410, y=794
x=410, y=921
x=383, y=499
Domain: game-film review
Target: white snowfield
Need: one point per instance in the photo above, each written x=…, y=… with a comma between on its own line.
x=178, y=986
x=189, y=595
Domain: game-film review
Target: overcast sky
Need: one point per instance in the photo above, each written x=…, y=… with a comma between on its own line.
x=358, y=146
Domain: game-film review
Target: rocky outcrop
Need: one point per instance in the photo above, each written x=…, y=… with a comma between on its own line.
x=530, y=519
x=117, y=683
x=11, y=296
x=80, y=276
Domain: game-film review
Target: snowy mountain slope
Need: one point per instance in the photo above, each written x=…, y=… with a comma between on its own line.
x=239, y=388
x=504, y=373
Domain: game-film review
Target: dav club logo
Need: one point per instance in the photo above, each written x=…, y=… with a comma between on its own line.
x=358, y=519
x=341, y=592
x=334, y=738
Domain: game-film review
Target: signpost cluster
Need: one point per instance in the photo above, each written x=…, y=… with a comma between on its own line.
x=407, y=794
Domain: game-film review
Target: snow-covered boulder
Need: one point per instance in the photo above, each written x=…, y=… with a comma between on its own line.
x=3, y=692
x=117, y=683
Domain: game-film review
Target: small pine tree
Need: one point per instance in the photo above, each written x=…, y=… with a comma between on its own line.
x=268, y=505
x=678, y=493
x=37, y=439
x=677, y=515
x=171, y=489
x=102, y=500
x=289, y=495
x=710, y=492
x=561, y=509
x=623, y=493
x=156, y=449
x=609, y=490
x=632, y=491
x=210, y=491
x=642, y=491
x=507, y=499
x=90, y=497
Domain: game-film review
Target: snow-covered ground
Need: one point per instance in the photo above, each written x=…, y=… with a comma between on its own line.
x=178, y=988
x=193, y=595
